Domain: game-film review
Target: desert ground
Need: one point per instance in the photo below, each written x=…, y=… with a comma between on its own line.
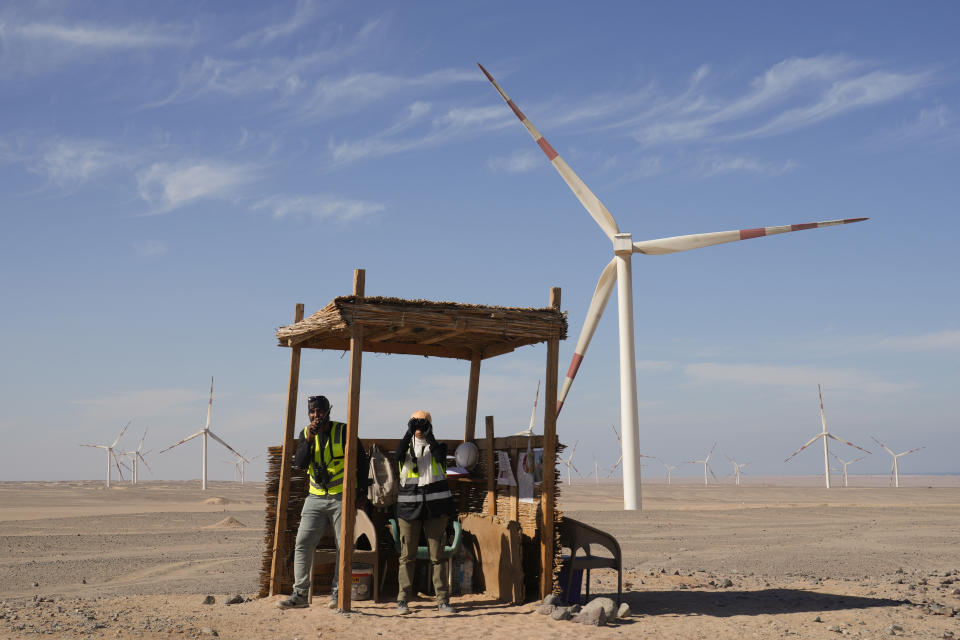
x=774, y=558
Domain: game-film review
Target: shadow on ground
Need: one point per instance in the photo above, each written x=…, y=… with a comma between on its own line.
x=724, y=604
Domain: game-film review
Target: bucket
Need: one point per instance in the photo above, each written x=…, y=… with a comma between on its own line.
x=361, y=585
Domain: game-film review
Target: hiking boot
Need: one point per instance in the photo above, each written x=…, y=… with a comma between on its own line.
x=295, y=601
x=445, y=609
x=402, y=608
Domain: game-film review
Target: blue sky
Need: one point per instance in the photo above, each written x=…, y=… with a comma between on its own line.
x=177, y=176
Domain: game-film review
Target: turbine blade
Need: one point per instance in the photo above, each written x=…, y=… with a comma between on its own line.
x=830, y=435
x=144, y=461
x=533, y=414
x=586, y=197
x=116, y=461
x=823, y=420
x=710, y=469
x=615, y=432
x=885, y=447
x=601, y=295
x=214, y=436
x=96, y=446
x=911, y=451
x=122, y=431
x=809, y=442
x=191, y=437
x=210, y=404
x=699, y=240
x=142, y=438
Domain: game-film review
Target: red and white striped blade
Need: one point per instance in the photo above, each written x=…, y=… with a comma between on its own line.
x=911, y=451
x=144, y=461
x=700, y=240
x=116, y=461
x=190, y=437
x=210, y=404
x=122, y=431
x=615, y=432
x=809, y=442
x=601, y=295
x=214, y=436
x=849, y=444
x=533, y=415
x=586, y=197
x=885, y=447
x=823, y=420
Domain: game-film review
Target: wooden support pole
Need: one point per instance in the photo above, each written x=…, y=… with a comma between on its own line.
x=473, y=388
x=348, y=514
x=515, y=489
x=547, y=496
x=491, y=468
x=283, y=493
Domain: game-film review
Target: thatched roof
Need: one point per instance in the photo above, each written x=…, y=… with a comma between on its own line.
x=423, y=327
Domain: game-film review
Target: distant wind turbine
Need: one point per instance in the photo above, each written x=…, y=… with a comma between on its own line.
x=737, y=468
x=706, y=465
x=111, y=456
x=669, y=468
x=205, y=432
x=136, y=454
x=895, y=469
x=824, y=434
x=238, y=466
x=846, y=463
x=569, y=462
x=620, y=459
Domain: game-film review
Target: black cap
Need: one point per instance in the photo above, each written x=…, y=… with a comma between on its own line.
x=319, y=403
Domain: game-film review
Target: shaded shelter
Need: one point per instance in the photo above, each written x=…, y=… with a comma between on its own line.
x=357, y=323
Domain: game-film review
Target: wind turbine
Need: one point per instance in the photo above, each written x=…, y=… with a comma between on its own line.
x=111, y=454
x=669, y=468
x=706, y=465
x=205, y=432
x=737, y=468
x=845, y=464
x=620, y=459
x=596, y=469
x=895, y=469
x=533, y=415
x=134, y=455
x=569, y=462
x=824, y=434
x=238, y=466
x=619, y=271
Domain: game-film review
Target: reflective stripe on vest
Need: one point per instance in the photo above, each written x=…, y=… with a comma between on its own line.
x=406, y=470
x=331, y=457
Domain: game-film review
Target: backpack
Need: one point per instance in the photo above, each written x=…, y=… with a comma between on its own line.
x=383, y=484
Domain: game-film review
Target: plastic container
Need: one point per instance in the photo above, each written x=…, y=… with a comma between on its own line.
x=361, y=586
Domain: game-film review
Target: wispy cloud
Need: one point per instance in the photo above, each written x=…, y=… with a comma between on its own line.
x=92, y=36
x=787, y=376
x=938, y=124
x=75, y=161
x=711, y=164
x=455, y=123
x=319, y=207
x=303, y=14
x=517, y=162
x=169, y=186
x=150, y=249
x=939, y=341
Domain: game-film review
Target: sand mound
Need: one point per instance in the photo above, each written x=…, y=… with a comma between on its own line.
x=227, y=523
x=216, y=501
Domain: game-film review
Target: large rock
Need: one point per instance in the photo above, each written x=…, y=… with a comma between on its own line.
x=561, y=613
x=607, y=604
x=624, y=610
x=596, y=617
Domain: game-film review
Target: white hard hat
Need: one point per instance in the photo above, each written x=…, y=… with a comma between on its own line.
x=467, y=455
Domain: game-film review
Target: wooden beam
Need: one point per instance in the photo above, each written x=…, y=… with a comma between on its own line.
x=547, y=496
x=500, y=348
x=473, y=389
x=283, y=494
x=491, y=467
x=445, y=336
x=348, y=511
x=392, y=332
x=408, y=348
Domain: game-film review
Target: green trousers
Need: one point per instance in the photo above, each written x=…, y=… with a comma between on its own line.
x=433, y=530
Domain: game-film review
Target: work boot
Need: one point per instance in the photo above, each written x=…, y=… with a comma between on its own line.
x=295, y=601
x=445, y=609
x=402, y=608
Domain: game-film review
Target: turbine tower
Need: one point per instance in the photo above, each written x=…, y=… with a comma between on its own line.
x=824, y=434
x=895, y=469
x=110, y=454
x=619, y=271
x=737, y=468
x=706, y=465
x=205, y=432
